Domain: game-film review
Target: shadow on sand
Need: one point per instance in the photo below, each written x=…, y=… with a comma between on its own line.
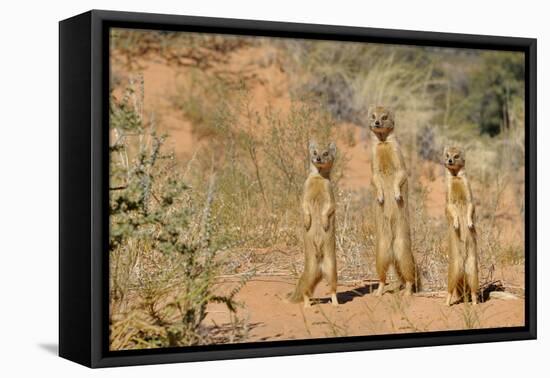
x=350, y=295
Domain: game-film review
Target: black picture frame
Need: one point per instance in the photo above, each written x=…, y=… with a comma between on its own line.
x=83, y=195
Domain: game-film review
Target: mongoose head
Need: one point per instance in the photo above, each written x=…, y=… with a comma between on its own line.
x=381, y=121
x=322, y=156
x=455, y=159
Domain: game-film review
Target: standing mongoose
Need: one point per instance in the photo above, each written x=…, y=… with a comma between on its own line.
x=393, y=234
x=318, y=208
x=462, y=274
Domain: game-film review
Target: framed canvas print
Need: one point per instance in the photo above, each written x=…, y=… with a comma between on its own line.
x=234, y=188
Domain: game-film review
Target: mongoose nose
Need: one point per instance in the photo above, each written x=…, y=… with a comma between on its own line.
x=450, y=161
x=318, y=159
x=376, y=123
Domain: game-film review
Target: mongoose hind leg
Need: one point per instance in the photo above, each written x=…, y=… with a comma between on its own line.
x=307, y=301
x=474, y=297
x=449, y=299
x=312, y=284
x=450, y=295
x=310, y=277
x=330, y=274
x=454, y=276
x=383, y=260
x=472, y=277
x=380, y=290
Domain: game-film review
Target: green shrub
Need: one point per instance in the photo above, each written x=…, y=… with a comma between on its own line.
x=163, y=256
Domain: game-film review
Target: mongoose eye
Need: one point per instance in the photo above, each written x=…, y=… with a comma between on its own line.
x=456, y=156
x=315, y=153
x=373, y=116
x=325, y=153
x=384, y=117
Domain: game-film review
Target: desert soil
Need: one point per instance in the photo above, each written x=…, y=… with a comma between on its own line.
x=360, y=312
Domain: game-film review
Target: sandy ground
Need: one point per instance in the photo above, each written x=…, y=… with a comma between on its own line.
x=265, y=313
x=360, y=313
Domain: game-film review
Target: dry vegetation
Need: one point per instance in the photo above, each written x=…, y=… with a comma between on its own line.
x=187, y=233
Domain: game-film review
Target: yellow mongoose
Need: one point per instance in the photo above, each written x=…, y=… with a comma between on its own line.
x=318, y=207
x=462, y=275
x=393, y=234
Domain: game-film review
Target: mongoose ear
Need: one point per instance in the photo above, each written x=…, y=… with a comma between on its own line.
x=332, y=148
x=312, y=145
x=445, y=150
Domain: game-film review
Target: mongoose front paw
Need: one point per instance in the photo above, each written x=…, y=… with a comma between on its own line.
x=307, y=222
x=325, y=223
x=398, y=197
x=456, y=224
x=470, y=225
x=380, y=199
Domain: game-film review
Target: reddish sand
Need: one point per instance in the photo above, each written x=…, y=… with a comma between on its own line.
x=269, y=317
